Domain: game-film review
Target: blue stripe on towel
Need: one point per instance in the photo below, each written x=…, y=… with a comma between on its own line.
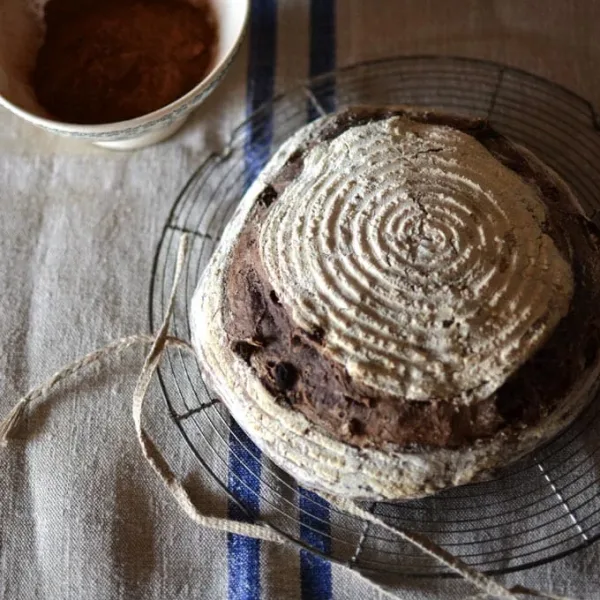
x=322, y=51
x=243, y=553
x=261, y=81
x=315, y=573
x=244, y=482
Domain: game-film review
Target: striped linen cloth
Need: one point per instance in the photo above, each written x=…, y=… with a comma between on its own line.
x=244, y=553
x=81, y=515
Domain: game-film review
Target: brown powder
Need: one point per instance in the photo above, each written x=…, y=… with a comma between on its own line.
x=110, y=60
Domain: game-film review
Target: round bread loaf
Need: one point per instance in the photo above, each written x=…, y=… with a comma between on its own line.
x=404, y=301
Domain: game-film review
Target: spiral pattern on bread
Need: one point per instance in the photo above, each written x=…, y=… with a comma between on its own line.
x=420, y=256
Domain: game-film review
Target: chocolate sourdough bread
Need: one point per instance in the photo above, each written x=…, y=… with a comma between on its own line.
x=403, y=295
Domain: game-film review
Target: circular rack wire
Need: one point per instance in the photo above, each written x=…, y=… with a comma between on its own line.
x=542, y=508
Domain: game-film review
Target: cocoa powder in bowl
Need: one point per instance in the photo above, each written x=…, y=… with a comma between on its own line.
x=105, y=61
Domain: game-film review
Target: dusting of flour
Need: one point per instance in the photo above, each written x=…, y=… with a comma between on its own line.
x=421, y=257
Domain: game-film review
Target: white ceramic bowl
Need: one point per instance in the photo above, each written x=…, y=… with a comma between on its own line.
x=21, y=32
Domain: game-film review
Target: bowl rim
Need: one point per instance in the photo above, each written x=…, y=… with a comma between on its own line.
x=149, y=118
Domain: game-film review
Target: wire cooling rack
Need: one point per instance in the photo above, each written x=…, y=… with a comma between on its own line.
x=542, y=508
